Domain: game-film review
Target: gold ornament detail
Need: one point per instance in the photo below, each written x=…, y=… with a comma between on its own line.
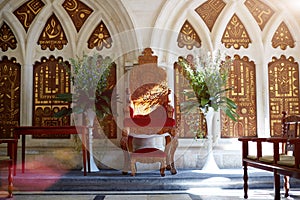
x=235, y=34
x=100, y=38
x=283, y=37
x=7, y=38
x=53, y=35
x=188, y=37
x=78, y=12
x=261, y=12
x=28, y=11
x=210, y=11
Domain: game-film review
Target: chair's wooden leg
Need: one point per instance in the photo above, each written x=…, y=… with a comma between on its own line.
x=276, y=185
x=245, y=178
x=162, y=167
x=286, y=185
x=126, y=162
x=10, y=180
x=133, y=168
x=174, y=145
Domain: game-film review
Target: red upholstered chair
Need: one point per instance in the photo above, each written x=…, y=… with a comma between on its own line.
x=7, y=161
x=148, y=113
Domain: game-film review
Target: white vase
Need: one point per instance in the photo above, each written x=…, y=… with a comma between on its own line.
x=210, y=164
x=90, y=116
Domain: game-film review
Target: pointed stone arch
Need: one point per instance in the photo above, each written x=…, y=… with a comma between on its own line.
x=282, y=37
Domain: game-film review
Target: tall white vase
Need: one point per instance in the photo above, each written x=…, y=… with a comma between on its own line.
x=210, y=164
x=90, y=115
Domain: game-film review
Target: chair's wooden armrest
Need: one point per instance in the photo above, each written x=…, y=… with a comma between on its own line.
x=294, y=141
x=8, y=141
x=246, y=140
x=277, y=140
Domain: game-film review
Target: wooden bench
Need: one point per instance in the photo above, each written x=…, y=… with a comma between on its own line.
x=53, y=130
x=284, y=161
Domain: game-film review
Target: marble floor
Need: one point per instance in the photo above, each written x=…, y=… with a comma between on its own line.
x=112, y=185
x=195, y=194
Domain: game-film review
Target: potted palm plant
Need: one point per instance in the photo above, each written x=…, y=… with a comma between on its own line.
x=207, y=75
x=91, y=96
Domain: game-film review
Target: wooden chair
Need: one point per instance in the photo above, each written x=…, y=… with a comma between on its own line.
x=290, y=130
x=148, y=112
x=7, y=160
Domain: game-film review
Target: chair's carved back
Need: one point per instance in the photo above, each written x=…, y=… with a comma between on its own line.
x=290, y=129
x=148, y=84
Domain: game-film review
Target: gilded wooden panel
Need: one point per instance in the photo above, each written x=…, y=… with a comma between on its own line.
x=28, y=11
x=235, y=34
x=261, y=12
x=53, y=35
x=192, y=123
x=78, y=12
x=100, y=38
x=188, y=37
x=7, y=38
x=50, y=77
x=242, y=76
x=283, y=37
x=283, y=90
x=10, y=78
x=209, y=11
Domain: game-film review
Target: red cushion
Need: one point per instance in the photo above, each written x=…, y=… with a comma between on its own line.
x=138, y=122
x=154, y=119
x=148, y=152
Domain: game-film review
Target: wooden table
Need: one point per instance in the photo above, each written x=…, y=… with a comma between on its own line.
x=37, y=130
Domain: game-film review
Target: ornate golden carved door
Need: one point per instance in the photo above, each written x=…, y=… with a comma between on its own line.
x=50, y=78
x=242, y=77
x=283, y=90
x=10, y=77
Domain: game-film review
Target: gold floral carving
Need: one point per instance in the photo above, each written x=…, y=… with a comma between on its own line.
x=100, y=38
x=50, y=78
x=260, y=11
x=188, y=37
x=28, y=11
x=235, y=34
x=242, y=76
x=53, y=35
x=283, y=37
x=78, y=12
x=10, y=78
x=7, y=38
x=283, y=90
x=210, y=11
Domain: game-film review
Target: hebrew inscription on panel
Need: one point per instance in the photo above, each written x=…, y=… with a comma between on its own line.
x=242, y=78
x=50, y=78
x=283, y=90
x=10, y=77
